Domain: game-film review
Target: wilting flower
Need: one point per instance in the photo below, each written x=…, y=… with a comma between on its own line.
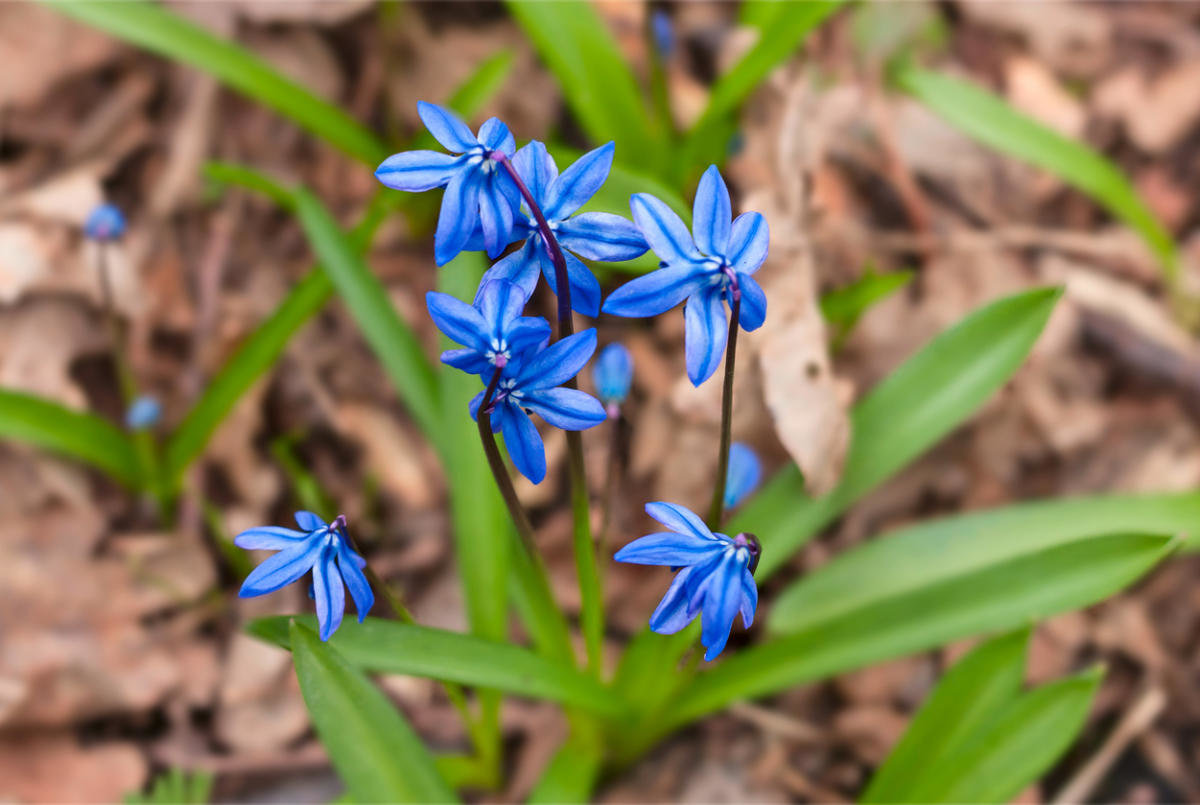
x=479, y=193
x=144, y=412
x=708, y=272
x=594, y=235
x=613, y=374
x=745, y=471
x=320, y=547
x=105, y=223
x=531, y=387
x=716, y=576
x=492, y=331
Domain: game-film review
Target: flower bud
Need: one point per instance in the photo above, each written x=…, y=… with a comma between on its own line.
x=613, y=374
x=105, y=223
x=745, y=471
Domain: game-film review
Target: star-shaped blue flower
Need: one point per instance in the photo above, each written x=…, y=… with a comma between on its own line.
x=594, y=235
x=492, y=331
x=707, y=271
x=532, y=387
x=320, y=547
x=479, y=193
x=716, y=579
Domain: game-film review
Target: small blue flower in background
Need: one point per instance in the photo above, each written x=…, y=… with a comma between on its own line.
x=594, y=235
x=745, y=471
x=480, y=195
x=144, y=412
x=613, y=374
x=493, y=332
x=320, y=547
x=663, y=32
x=105, y=223
x=716, y=578
x=531, y=387
x=709, y=271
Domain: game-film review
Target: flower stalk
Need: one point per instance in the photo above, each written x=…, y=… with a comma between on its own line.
x=716, y=509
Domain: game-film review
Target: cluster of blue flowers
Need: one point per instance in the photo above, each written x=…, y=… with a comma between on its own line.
x=498, y=198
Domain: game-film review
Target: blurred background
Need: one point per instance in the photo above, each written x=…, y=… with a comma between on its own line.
x=121, y=654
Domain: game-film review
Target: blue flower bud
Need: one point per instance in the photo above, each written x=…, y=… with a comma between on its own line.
x=664, y=33
x=144, y=412
x=745, y=471
x=105, y=223
x=613, y=374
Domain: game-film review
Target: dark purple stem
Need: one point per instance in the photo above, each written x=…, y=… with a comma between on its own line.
x=716, y=509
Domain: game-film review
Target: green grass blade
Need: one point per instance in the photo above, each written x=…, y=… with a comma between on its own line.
x=375, y=751
x=571, y=775
x=988, y=119
x=162, y=31
x=391, y=647
x=963, y=704
x=843, y=307
x=82, y=436
x=906, y=414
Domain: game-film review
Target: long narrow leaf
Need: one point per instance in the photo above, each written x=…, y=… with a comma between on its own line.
x=82, y=436
x=375, y=751
x=571, y=774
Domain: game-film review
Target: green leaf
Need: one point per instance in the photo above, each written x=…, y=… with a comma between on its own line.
x=391, y=647
x=965, y=702
x=161, y=31
x=572, y=773
x=82, y=436
x=597, y=84
x=903, y=416
x=1022, y=744
x=843, y=307
x=375, y=751
x=972, y=588
x=988, y=119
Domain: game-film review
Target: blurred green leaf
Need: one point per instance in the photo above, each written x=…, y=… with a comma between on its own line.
x=571, y=775
x=175, y=787
x=162, y=31
x=904, y=415
x=843, y=307
x=972, y=695
x=988, y=119
x=375, y=751
x=391, y=647
x=82, y=436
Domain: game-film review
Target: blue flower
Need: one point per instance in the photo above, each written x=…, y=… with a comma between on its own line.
x=531, y=387
x=144, y=412
x=493, y=332
x=594, y=235
x=716, y=576
x=320, y=547
x=713, y=269
x=105, y=223
x=479, y=192
x=745, y=471
x=613, y=374
x=663, y=33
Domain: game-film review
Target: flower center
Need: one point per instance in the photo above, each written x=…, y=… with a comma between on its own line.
x=499, y=354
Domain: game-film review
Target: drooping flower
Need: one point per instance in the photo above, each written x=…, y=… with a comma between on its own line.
x=745, y=471
x=324, y=548
x=144, y=412
x=613, y=374
x=713, y=269
x=105, y=223
x=479, y=192
x=594, y=235
x=532, y=386
x=492, y=331
x=715, y=580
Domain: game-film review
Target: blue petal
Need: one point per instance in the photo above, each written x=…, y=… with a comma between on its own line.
x=753, y=311
x=467, y=360
x=748, y=242
x=528, y=333
x=559, y=362
x=569, y=409
x=745, y=471
x=722, y=600
x=524, y=444
x=749, y=603
x=495, y=136
x=613, y=374
x=446, y=128
x=663, y=230
x=500, y=303
x=536, y=168
x=350, y=565
x=656, y=292
x=474, y=405
x=705, y=334
x=458, y=217
x=579, y=183
x=670, y=549
x=283, y=568
x=672, y=612
x=268, y=538
x=712, y=213
x=329, y=594
x=521, y=268
x=680, y=520
x=601, y=236
x=495, y=218
x=309, y=521
x=417, y=170
x=461, y=322
x=585, y=288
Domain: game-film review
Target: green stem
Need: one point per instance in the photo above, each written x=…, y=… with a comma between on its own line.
x=716, y=509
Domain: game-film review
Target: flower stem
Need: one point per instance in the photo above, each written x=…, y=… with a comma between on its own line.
x=716, y=509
